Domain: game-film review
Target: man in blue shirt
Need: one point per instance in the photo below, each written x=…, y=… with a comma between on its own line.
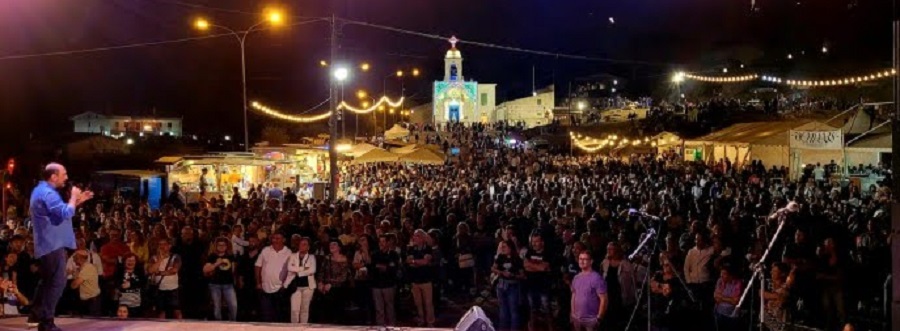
x=51, y=218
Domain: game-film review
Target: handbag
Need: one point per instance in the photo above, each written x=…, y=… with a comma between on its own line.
x=153, y=289
x=466, y=261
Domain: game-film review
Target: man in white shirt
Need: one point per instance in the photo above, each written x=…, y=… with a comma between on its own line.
x=271, y=273
x=93, y=258
x=87, y=282
x=697, y=265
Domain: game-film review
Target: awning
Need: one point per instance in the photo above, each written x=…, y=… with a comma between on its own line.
x=423, y=156
x=376, y=155
x=169, y=159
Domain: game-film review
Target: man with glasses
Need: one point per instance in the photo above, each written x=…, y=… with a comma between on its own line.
x=589, y=298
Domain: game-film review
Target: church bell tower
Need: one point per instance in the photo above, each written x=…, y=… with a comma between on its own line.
x=453, y=67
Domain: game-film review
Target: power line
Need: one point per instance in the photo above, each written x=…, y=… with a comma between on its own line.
x=199, y=6
x=218, y=9
x=135, y=45
x=508, y=48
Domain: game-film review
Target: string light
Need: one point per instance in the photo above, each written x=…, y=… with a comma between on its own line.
x=288, y=117
x=842, y=81
x=309, y=119
x=591, y=145
x=369, y=109
x=723, y=79
x=792, y=82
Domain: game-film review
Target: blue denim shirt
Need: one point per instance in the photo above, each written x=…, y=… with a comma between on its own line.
x=51, y=218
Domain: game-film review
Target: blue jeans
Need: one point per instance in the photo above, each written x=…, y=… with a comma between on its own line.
x=508, y=294
x=50, y=287
x=539, y=298
x=226, y=292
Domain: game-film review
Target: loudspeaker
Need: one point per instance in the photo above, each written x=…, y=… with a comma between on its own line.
x=474, y=320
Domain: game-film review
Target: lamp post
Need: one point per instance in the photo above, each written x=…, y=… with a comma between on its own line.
x=361, y=95
x=414, y=72
x=273, y=17
x=678, y=78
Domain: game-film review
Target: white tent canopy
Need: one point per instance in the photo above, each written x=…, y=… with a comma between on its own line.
x=405, y=149
x=396, y=132
x=376, y=155
x=423, y=156
x=360, y=149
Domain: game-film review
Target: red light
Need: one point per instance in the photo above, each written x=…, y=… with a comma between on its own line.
x=10, y=165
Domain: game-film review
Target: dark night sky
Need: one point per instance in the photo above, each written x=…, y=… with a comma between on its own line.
x=200, y=80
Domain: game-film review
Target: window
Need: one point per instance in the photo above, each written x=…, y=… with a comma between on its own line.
x=453, y=73
x=170, y=125
x=117, y=125
x=539, y=101
x=484, y=99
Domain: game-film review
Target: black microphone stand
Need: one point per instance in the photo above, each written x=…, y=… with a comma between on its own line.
x=645, y=286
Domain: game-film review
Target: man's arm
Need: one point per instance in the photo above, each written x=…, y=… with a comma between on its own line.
x=61, y=211
x=603, y=302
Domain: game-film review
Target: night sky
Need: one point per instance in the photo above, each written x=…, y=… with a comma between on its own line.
x=200, y=80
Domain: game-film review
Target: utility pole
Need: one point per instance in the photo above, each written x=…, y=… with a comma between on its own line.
x=895, y=165
x=333, y=119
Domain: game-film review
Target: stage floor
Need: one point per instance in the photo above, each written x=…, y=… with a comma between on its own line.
x=82, y=324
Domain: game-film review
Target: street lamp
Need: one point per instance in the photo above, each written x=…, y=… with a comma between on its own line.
x=273, y=17
x=678, y=78
x=341, y=74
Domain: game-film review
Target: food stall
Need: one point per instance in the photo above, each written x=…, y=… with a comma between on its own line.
x=303, y=167
x=224, y=172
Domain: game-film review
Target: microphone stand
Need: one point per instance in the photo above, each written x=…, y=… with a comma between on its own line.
x=645, y=286
x=758, y=270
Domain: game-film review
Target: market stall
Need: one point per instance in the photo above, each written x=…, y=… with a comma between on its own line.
x=224, y=172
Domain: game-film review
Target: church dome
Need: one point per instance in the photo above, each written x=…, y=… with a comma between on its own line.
x=453, y=53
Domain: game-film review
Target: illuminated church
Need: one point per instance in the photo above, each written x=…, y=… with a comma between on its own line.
x=456, y=100
x=459, y=101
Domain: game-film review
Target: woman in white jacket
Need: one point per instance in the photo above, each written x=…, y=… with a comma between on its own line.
x=301, y=269
x=621, y=280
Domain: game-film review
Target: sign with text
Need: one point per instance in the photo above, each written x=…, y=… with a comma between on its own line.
x=832, y=139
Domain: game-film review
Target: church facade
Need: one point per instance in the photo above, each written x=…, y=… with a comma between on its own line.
x=456, y=100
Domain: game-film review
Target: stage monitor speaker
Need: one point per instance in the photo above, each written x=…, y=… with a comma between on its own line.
x=474, y=320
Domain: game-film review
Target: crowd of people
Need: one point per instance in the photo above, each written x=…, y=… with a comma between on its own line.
x=550, y=240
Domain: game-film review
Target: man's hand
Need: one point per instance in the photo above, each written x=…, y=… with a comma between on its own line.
x=75, y=195
x=84, y=196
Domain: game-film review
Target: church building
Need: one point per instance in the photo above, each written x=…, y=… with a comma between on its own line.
x=456, y=100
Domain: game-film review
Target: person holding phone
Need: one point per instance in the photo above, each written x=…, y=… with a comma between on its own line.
x=53, y=234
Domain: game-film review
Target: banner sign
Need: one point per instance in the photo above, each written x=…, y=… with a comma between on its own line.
x=817, y=139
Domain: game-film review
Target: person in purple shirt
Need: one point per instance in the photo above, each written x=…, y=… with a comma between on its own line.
x=51, y=218
x=588, y=296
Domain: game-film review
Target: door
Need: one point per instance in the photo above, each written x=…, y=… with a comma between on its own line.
x=454, y=113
